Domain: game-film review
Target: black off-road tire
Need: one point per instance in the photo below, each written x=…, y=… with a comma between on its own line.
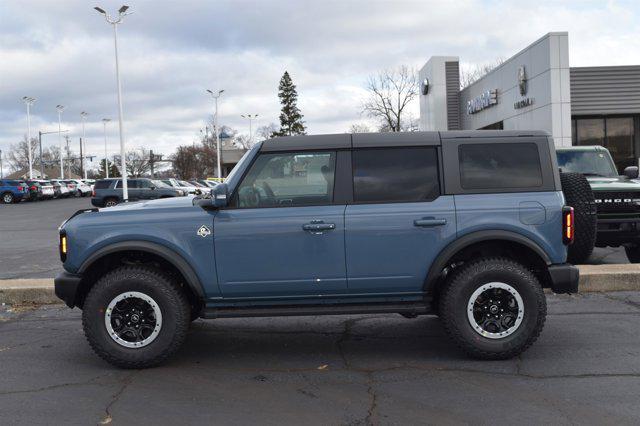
x=456, y=295
x=173, y=304
x=578, y=194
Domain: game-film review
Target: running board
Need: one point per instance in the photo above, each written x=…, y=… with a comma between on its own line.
x=302, y=310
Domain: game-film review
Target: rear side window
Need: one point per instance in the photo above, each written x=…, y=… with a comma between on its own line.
x=131, y=184
x=503, y=165
x=395, y=175
x=102, y=184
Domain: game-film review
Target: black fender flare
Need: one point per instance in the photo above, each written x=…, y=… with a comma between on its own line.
x=476, y=237
x=167, y=254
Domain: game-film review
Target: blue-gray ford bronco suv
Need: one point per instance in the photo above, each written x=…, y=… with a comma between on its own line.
x=470, y=226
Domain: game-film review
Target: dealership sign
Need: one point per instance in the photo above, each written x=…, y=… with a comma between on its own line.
x=487, y=99
x=523, y=87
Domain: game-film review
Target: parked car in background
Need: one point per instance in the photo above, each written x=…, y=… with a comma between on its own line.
x=89, y=182
x=83, y=189
x=12, y=191
x=60, y=188
x=47, y=189
x=73, y=189
x=208, y=183
x=182, y=185
x=108, y=192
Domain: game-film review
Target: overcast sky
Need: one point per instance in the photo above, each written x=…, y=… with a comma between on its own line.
x=61, y=52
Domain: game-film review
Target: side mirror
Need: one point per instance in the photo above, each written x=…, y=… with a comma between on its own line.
x=631, y=172
x=152, y=187
x=219, y=196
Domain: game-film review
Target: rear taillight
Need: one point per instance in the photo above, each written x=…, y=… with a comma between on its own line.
x=19, y=188
x=568, y=225
x=34, y=188
x=93, y=193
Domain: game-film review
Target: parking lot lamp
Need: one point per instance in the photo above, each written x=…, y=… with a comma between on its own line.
x=83, y=116
x=122, y=12
x=217, y=130
x=106, y=159
x=29, y=101
x=60, y=108
x=250, y=117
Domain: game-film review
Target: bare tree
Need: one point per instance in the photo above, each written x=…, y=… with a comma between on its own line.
x=470, y=75
x=359, y=128
x=18, y=155
x=243, y=141
x=390, y=92
x=267, y=132
x=137, y=162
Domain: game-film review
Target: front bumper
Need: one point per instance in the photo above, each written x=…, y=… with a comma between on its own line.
x=564, y=278
x=617, y=231
x=66, y=286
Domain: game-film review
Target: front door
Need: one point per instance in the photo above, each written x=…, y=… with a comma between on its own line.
x=283, y=236
x=399, y=221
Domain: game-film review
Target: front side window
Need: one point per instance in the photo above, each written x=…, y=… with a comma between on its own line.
x=499, y=166
x=395, y=175
x=131, y=184
x=288, y=179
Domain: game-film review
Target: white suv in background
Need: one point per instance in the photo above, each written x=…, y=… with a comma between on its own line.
x=83, y=188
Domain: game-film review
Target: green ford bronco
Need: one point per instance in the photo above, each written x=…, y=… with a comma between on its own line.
x=616, y=198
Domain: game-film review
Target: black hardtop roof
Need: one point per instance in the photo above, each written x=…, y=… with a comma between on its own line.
x=372, y=140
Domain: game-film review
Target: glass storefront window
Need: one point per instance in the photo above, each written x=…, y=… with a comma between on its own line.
x=614, y=133
x=620, y=137
x=590, y=131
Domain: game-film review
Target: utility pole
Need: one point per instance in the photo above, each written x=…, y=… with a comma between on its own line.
x=217, y=130
x=29, y=102
x=151, y=161
x=60, y=108
x=122, y=12
x=41, y=159
x=68, y=157
x=82, y=169
x=83, y=115
x=1, y=170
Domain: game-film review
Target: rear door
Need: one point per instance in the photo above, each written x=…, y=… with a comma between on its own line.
x=399, y=220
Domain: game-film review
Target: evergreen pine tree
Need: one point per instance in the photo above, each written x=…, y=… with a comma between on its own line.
x=290, y=117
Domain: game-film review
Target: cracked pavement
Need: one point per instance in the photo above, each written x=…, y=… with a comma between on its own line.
x=355, y=370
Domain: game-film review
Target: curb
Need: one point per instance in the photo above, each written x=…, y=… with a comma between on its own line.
x=593, y=278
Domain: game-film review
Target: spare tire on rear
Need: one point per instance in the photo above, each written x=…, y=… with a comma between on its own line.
x=578, y=194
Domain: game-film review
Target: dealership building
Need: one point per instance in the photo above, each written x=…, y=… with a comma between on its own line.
x=536, y=89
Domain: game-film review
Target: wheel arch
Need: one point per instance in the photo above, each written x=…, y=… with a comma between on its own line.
x=99, y=260
x=484, y=240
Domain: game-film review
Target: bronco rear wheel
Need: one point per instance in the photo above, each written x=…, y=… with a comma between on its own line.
x=493, y=308
x=135, y=317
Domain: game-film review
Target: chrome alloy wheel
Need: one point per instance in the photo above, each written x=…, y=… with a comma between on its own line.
x=495, y=310
x=133, y=319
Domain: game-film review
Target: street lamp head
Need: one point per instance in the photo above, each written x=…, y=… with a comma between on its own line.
x=106, y=120
x=99, y=9
x=208, y=90
x=220, y=92
x=28, y=100
x=123, y=9
x=83, y=114
x=60, y=108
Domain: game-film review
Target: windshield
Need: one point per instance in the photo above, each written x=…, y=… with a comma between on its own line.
x=589, y=163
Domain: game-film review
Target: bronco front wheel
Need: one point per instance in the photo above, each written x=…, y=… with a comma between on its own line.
x=493, y=308
x=135, y=317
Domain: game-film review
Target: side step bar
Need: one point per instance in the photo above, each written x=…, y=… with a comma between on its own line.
x=302, y=310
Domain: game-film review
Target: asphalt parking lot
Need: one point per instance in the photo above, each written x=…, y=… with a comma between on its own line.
x=356, y=370
x=29, y=238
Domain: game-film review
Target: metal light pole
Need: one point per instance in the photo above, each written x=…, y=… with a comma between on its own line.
x=83, y=145
x=1, y=171
x=60, y=108
x=106, y=158
x=250, y=117
x=217, y=130
x=122, y=12
x=29, y=101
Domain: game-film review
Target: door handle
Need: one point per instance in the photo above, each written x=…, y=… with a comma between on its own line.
x=318, y=227
x=426, y=222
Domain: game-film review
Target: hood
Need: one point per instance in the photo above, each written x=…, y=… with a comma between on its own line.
x=163, y=203
x=618, y=183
